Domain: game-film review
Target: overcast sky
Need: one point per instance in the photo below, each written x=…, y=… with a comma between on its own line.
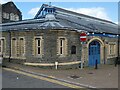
x=104, y=10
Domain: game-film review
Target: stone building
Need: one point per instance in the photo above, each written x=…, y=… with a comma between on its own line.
x=0, y=13
x=53, y=38
x=10, y=13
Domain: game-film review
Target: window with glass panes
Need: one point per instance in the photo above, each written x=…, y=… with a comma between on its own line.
x=112, y=49
x=61, y=46
x=38, y=46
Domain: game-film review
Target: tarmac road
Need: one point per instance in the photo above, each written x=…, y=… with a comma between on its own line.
x=15, y=80
x=12, y=79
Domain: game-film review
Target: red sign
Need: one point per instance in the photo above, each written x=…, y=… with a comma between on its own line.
x=83, y=37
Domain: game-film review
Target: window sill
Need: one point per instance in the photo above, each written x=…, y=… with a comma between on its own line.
x=38, y=56
x=62, y=55
x=17, y=57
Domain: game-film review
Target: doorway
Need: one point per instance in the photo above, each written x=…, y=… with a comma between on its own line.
x=94, y=53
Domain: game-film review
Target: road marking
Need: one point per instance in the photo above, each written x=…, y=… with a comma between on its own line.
x=44, y=78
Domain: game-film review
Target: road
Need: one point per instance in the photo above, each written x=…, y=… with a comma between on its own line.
x=12, y=79
x=15, y=80
x=18, y=79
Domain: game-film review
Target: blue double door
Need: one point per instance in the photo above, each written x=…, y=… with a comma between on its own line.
x=94, y=53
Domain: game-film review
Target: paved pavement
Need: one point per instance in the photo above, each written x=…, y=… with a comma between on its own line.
x=106, y=76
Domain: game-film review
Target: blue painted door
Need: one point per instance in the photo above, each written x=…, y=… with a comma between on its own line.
x=94, y=53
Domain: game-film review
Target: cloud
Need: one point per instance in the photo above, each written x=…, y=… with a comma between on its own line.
x=4, y=1
x=98, y=12
x=116, y=22
x=34, y=11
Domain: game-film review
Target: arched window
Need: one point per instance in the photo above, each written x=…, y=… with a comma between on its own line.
x=14, y=47
x=73, y=49
x=11, y=16
x=16, y=17
x=2, y=44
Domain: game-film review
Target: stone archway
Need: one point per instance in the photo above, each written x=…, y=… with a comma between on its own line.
x=97, y=39
x=98, y=42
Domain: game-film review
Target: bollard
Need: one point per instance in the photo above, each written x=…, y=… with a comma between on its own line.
x=56, y=65
x=1, y=58
x=116, y=61
x=96, y=66
x=81, y=64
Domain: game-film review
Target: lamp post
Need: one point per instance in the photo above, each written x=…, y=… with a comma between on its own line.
x=117, y=59
x=83, y=38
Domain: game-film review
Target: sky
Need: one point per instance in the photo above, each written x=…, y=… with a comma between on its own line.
x=103, y=10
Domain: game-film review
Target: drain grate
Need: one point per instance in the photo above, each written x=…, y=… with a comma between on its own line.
x=74, y=77
x=90, y=73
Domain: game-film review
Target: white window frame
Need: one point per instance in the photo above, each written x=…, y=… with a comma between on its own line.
x=16, y=17
x=62, y=45
x=112, y=49
x=36, y=46
x=12, y=16
x=62, y=41
x=7, y=15
x=4, y=14
x=1, y=45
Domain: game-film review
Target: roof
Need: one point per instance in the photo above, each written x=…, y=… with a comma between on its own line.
x=70, y=12
x=10, y=3
x=63, y=19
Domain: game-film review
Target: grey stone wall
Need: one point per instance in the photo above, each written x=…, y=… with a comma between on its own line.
x=50, y=46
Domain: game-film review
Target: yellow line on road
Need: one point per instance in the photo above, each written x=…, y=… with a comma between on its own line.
x=44, y=78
